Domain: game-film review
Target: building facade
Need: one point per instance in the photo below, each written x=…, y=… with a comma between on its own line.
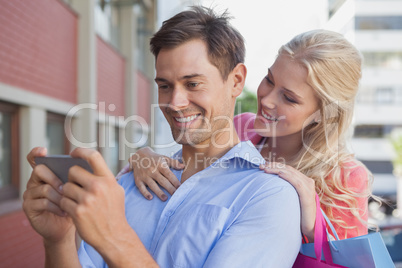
x=375, y=27
x=73, y=73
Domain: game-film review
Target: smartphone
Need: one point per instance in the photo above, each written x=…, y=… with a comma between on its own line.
x=60, y=164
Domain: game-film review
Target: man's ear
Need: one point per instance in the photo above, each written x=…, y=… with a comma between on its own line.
x=239, y=78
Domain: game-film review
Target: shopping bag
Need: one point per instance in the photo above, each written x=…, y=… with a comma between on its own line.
x=362, y=251
x=313, y=257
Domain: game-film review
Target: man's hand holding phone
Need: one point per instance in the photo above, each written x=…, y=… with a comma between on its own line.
x=90, y=202
x=61, y=164
x=42, y=205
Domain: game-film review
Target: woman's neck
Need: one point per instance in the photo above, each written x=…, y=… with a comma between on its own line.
x=282, y=149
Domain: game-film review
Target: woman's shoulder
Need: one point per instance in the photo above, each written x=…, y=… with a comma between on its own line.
x=355, y=174
x=244, y=125
x=244, y=120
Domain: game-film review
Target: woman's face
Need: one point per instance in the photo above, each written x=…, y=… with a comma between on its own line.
x=285, y=100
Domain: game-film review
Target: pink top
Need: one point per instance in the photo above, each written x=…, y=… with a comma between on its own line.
x=356, y=181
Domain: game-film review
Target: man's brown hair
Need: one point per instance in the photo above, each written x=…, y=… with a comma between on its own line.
x=225, y=44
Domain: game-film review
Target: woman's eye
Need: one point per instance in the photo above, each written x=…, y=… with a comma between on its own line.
x=269, y=80
x=289, y=99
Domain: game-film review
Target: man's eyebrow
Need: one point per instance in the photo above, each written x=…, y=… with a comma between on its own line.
x=271, y=76
x=160, y=79
x=190, y=76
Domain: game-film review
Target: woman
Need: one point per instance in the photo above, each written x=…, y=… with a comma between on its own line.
x=305, y=107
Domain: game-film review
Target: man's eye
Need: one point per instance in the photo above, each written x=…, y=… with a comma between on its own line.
x=193, y=84
x=163, y=87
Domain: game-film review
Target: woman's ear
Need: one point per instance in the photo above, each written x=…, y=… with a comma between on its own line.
x=239, y=74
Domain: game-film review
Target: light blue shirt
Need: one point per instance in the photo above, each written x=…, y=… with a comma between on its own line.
x=230, y=214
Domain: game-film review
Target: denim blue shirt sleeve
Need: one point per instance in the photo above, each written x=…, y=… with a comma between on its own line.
x=231, y=214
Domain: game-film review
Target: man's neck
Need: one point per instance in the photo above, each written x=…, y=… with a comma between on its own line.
x=201, y=156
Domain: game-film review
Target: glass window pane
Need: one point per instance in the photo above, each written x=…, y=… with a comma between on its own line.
x=114, y=152
x=55, y=137
x=378, y=23
x=5, y=149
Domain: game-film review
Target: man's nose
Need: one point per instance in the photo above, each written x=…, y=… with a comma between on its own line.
x=179, y=99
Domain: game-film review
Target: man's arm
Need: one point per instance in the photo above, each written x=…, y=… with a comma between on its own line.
x=266, y=234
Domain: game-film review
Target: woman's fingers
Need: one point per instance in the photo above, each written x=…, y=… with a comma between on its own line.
x=143, y=189
x=174, y=163
x=167, y=177
x=165, y=183
x=154, y=187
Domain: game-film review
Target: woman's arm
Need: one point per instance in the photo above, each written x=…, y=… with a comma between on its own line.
x=152, y=171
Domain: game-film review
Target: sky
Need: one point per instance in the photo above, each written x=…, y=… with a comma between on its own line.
x=268, y=24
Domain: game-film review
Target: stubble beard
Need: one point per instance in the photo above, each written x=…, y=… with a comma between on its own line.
x=189, y=136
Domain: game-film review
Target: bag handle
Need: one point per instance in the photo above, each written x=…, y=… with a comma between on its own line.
x=333, y=231
x=320, y=235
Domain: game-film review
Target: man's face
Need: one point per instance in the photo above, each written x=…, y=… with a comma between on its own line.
x=192, y=94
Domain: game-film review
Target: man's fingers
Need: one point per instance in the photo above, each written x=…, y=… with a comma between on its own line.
x=80, y=176
x=35, y=152
x=74, y=192
x=43, y=191
x=69, y=206
x=44, y=205
x=95, y=160
x=43, y=175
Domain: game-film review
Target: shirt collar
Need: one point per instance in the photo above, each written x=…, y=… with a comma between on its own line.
x=243, y=150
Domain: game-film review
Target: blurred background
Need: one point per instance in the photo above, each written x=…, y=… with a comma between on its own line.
x=79, y=73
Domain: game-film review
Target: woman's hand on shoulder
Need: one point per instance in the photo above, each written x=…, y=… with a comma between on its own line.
x=152, y=170
x=305, y=188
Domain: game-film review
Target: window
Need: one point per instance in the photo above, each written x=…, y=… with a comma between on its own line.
x=109, y=146
x=380, y=95
x=374, y=131
x=56, y=140
x=107, y=22
x=369, y=131
x=9, y=152
x=385, y=95
x=142, y=38
x=378, y=23
x=378, y=166
x=114, y=152
x=388, y=60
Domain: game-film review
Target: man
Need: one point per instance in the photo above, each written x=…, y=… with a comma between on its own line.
x=226, y=213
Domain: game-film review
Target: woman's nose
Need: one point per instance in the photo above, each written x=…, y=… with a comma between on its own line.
x=269, y=100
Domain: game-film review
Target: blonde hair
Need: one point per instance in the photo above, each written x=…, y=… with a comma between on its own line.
x=334, y=70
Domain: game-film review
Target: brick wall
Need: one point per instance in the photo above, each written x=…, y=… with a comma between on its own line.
x=38, y=47
x=20, y=245
x=110, y=77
